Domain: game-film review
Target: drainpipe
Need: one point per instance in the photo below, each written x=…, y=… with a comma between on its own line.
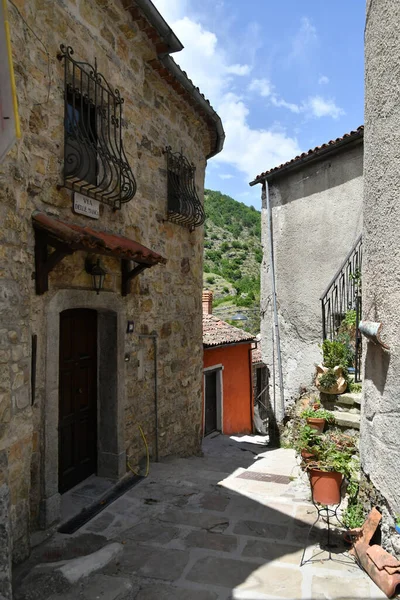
x=252, y=398
x=154, y=337
x=265, y=202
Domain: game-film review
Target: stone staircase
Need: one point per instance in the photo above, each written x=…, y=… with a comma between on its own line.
x=346, y=409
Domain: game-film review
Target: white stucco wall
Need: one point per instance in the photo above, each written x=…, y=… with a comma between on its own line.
x=380, y=418
x=316, y=219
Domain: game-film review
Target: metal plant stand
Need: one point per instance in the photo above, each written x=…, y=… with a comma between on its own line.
x=326, y=514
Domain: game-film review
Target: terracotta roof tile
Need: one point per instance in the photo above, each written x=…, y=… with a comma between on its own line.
x=356, y=133
x=218, y=333
x=86, y=238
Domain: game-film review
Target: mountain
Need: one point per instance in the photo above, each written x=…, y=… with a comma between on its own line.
x=232, y=257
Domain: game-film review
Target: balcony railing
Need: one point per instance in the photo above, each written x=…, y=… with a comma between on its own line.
x=342, y=295
x=95, y=163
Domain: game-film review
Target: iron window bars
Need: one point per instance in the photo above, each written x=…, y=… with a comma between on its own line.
x=95, y=163
x=184, y=206
x=344, y=294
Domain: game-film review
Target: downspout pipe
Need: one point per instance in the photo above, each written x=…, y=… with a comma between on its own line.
x=154, y=337
x=266, y=202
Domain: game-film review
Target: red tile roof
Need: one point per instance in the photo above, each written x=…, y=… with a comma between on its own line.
x=219, y=333
x=86, y=238
x=313, y=151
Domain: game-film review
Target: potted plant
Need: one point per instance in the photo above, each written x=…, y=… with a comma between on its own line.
x=327, y=472
x=332, y=374
x=317, y=418
x=353, y=518
x=307, y=443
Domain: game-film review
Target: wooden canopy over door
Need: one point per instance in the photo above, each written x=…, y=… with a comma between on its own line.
x=77, y=397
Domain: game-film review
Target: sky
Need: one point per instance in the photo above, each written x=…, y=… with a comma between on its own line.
x=283, y=75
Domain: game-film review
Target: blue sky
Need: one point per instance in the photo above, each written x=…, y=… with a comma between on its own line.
x=284, y=76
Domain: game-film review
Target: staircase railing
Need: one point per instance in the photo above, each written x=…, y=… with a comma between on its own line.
x=343, y=294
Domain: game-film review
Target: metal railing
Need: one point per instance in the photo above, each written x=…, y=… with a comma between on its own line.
x=184, y=206
x=342, y=295
x=95, y=163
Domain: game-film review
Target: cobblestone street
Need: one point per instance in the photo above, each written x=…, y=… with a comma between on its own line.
x=229, y=525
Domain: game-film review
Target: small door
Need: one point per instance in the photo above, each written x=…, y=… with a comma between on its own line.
x=77, y=397
x=211, y=399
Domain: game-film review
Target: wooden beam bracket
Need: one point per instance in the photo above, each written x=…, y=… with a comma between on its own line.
x=128, y=273
x=45, y=262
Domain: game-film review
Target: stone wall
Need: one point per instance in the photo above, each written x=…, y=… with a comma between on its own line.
x=316, y=217
x=380, y=415
x=164, y=299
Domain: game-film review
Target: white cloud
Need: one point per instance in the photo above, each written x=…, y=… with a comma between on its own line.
x=315, y=106
x=251, y=151
x=295, y=108
x=248, y=149
x=239, y=69
x=226, y=176
x=319, y=107
x=262, y=86
x=171, y=10
x=323, y=80
x=304, y=40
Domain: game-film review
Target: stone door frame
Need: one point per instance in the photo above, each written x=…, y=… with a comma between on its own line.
x=111, y=452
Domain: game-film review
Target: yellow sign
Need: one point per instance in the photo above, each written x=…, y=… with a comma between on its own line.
x=9, y=120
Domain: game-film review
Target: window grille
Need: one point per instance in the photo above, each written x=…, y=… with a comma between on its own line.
x=184, y=206
x=95, y=162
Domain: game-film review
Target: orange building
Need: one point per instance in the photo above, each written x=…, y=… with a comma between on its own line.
x=227, y=389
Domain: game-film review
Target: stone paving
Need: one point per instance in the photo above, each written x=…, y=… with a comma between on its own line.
x=196, y=530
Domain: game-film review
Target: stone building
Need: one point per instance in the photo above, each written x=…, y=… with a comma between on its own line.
x=316, y=218
x=97, y=178
x=380, y=415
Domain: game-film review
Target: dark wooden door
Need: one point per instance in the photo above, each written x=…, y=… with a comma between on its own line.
x=77, y=397
x=210, y=421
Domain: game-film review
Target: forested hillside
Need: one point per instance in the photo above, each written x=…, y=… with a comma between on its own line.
x=232, y=257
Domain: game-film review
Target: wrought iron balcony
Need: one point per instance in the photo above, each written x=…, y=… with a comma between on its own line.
x=95, y=162
x=184, y=206
x=342, y=295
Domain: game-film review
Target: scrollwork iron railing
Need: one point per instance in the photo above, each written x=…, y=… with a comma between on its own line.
x=184, y=206
x=342, y=295
x=95, y=163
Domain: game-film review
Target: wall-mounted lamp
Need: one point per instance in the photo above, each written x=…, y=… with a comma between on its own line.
x=97, y=272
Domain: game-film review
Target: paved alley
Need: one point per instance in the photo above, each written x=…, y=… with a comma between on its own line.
x=229, y=525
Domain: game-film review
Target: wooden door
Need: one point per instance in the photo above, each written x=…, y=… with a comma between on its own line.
x=77, y=397
x=210, y=420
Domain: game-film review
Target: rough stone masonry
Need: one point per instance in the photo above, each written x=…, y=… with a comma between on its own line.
x=165, y=299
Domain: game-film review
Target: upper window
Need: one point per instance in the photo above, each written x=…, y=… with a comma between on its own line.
x=184, y=206
x=95, y=163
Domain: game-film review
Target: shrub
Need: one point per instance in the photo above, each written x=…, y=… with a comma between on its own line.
x=336, y=353
x=210, y=280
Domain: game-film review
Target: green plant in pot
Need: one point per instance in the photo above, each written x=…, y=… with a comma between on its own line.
x=317, y=418
x=327, y=471
x=307, y=443
x=332, y=374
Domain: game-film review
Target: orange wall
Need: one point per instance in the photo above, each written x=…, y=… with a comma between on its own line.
x=237, y=386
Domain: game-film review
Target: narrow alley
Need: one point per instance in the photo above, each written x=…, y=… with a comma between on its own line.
x=229, y=525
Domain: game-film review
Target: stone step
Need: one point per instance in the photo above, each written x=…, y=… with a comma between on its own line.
x=349, y=399
x=347, y=419
x=355, y=410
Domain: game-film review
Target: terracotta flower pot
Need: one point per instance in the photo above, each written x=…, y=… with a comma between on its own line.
x=341, y=383
x=317, y=424
x=325, y=486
